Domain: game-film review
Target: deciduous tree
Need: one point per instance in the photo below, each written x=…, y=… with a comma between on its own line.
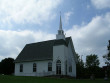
x=92, y=65
x=92, y=61
x=7, y=66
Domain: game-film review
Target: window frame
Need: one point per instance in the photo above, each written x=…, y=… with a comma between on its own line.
x=21, y=68
x=49, y=66
x=58, y=67
x=70, y=68
x=34, y=67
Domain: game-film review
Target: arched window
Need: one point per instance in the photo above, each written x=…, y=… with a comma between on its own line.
x=34, y=67
x=50, y=66
x=21, y=67
x=58, y=67
x=58, y=61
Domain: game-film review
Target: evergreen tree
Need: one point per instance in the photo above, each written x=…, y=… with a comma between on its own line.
x=107, y=60
x=80, y=67
x=107, y=56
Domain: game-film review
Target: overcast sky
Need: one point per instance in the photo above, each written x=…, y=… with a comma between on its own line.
x=29, y=21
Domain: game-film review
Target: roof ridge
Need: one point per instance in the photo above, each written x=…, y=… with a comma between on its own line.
x=47, y=41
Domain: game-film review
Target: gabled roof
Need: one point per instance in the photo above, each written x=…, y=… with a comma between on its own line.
x=40, y=50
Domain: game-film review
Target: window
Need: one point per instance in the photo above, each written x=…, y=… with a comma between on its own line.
x=50, y=66
x=58, y=67
x=34, y=67
x=21, y=67
x=70, y=68
x=60, y=32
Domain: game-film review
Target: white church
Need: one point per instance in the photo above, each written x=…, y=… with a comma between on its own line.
x=52, y=57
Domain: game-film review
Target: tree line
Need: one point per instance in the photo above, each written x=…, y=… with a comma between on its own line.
x=91, y=66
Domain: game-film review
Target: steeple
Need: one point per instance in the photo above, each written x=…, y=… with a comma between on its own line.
x=60, y=26
x=60, y=34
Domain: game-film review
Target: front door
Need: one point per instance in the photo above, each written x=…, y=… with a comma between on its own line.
x=58, y=67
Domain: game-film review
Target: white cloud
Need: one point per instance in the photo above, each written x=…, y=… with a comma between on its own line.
x=93, y=37
x=27, y=11
x=12, y=42
x=67, y=16
x=101, y=4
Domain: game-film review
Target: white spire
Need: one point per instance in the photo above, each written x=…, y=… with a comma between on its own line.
x=60, y=34
x=60, y=26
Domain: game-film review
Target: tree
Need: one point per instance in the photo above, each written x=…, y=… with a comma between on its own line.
x=92, y=61
x=107, y=56
x=92, y=66
x=0, y=68
x=7, y=66
x=80, y=67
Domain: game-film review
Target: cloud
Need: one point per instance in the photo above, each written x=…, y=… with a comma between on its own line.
x=12, y=42
x=93, y=37
x=26, y=11
x=101, y=4
x=67, y=16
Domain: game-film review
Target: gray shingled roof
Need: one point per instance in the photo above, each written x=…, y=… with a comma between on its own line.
x=40, y=51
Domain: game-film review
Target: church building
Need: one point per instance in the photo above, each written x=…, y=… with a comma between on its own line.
x=45, y=58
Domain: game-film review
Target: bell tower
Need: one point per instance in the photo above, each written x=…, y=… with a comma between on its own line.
x=60, y=34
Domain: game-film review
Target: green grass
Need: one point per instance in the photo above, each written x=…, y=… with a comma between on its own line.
x=28, y=79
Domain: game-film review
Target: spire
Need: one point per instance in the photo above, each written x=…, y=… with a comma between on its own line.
x=60, y=34
x=60, y=26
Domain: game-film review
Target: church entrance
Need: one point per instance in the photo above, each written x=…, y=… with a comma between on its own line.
x=58, y=67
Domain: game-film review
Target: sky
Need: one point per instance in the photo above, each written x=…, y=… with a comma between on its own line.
x=30, y=21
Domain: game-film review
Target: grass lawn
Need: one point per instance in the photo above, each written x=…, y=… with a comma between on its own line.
x=24, y=79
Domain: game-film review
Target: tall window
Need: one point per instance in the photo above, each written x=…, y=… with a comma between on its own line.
x=21, y=67
x=50, y=66
x=70, y=68
x=34, y=67
x=58, y=67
